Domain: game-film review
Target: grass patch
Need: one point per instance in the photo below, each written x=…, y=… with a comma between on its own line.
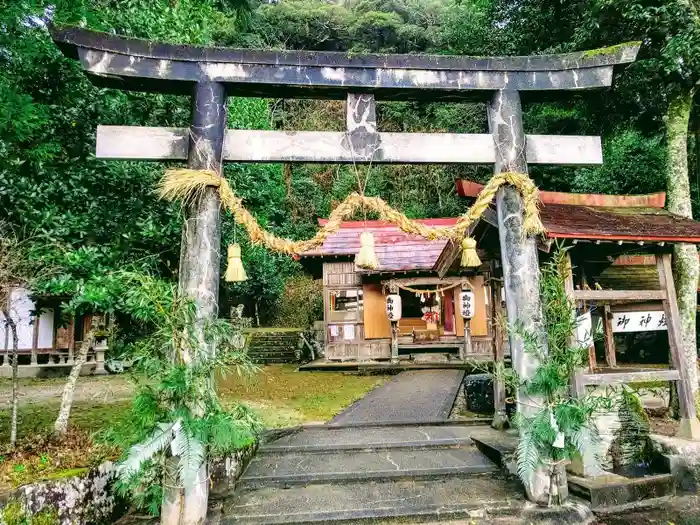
x=87, y=416
x=37, y=458
x=284, y=397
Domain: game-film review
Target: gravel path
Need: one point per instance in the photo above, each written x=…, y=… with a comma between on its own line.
x=99, y=389
x=413, y=396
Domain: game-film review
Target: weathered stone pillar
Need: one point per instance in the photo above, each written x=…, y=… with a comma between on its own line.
x=199, y=264
x=521, y=272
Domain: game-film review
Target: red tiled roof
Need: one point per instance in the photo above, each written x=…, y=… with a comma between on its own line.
x=396, y=250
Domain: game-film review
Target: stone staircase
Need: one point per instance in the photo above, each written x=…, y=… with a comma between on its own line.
x=365, y=472
x=270, y=345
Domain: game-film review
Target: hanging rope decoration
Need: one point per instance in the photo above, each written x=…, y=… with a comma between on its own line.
x=188, y=185
x=434, y=291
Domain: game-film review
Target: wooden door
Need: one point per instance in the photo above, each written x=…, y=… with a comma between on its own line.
x=377, y=324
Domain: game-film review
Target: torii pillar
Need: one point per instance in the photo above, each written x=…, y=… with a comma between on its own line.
x=521, y=271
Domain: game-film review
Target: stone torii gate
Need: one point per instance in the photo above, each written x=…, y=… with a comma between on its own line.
x=209, y=75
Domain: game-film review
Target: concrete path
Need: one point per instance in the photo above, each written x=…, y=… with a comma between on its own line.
x=410, y=397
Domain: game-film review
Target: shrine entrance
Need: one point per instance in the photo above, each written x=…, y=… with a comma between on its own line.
x=211, y=75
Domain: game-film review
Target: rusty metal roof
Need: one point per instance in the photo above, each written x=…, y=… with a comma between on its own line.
x=396, y=250
x=566, y=221
x=607, y=217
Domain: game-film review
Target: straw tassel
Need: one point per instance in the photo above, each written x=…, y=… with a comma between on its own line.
x=470, y=258
x=367, y=257
x=235, y=273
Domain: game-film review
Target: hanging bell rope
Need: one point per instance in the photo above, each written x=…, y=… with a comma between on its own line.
x=188, y=184
x=470, y=259
x=235, y=273
x=367, y=257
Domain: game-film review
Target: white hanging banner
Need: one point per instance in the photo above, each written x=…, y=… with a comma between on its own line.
x=584, y=330
x=348, y=332
x=639, y=321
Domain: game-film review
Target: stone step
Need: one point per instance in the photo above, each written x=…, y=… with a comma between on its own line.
x=611, y=490
x=306, y=468
x=329, y=438
x=441, y=500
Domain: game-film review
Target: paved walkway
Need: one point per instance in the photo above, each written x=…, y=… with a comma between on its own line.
x=413, y=396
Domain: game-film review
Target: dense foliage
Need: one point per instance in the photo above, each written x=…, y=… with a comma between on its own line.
x=91, y=216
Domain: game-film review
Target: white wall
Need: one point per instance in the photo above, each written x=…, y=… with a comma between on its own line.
x=21, y=307
x=46, y=329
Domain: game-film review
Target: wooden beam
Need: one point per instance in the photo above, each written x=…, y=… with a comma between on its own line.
x=690, y=426
x=126, y=63
x=153, y=143
x=620, y=378
x=655, y=306
x=619, y=295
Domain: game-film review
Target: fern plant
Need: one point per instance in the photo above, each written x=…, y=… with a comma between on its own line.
x=554, y=432
x=176, y=414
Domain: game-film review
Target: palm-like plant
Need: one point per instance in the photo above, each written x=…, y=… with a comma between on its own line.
x=555, y=432
x=177, y=416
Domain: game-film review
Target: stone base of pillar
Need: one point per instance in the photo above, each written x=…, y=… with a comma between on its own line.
x=570, y=513
x=500, y=420
x=689, y=429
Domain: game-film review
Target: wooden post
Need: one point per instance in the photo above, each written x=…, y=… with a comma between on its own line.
x=587, y=464
x=394, y=342
x=6, y=341
x=500, y=419
x=466, y=349
x=200, y=266
x=35, y=338
x=71, y=341
x=690, y=426
x=521, y=272
x=577, y=388
x=609, y=340
x=592, y=361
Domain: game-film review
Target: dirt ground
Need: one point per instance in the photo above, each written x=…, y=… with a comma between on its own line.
x=99, y=389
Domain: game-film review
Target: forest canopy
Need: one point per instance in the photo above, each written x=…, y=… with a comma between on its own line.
x=90, y=216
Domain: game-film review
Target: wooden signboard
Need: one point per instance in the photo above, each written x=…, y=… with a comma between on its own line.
x=624, y=322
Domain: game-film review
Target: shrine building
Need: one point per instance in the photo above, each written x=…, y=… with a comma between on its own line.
x=614, y=242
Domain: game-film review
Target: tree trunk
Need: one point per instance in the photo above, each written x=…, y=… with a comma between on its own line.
x=15, y=363
x=686, y=268
x=61, y=426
